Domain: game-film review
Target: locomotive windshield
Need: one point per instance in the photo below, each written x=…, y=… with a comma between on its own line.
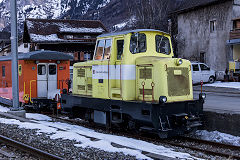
x=138, y=43
x=103, y=49
x=162, y=44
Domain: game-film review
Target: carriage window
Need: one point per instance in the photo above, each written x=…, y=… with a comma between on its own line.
x=120, y=45
x=52, y=69
x=99, y=50
x=3, y=71
x=162, y=44
x=138, y=43
x=107, y=49
x=41, y=69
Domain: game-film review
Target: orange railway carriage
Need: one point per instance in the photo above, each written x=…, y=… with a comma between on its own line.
x=42, y=75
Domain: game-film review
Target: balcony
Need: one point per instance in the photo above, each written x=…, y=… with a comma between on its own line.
x=235, y=34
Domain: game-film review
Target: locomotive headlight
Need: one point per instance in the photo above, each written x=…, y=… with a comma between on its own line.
x=179, y=61
x=202, y=96
x=162, y=99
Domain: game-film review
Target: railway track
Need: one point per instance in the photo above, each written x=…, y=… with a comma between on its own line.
x=203, y=146
x=26, y=148
x=207, y=147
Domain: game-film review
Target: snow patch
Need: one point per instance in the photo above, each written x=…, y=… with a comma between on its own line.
x=4, y=109
x=81, y=30
x=235, y=85
x=83, y=137
x=39, y=117
x=51, y=37
x=218, y=137
x=105, y=2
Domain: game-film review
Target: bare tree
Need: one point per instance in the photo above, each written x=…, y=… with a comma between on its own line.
x=150, y=13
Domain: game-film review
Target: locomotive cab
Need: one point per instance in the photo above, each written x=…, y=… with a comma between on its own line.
x=134, y=79
x=136, y=66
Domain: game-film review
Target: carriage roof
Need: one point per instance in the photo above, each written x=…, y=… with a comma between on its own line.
x=130, y=31
x=39, y=55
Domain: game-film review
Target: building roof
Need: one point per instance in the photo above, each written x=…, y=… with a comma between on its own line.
x=39, y=55
x=48, y=30
x=189, y=5
x=130, y=31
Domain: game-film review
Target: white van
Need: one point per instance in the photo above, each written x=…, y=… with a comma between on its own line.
x=201, y=72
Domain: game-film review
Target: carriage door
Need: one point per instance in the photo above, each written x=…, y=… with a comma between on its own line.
x=52, y=80
x=42, y=80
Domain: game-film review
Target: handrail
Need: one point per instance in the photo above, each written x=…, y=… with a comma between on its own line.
x=24, y=88
x=31, y=90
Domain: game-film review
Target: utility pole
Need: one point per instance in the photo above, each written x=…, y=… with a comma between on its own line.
x=14, y=51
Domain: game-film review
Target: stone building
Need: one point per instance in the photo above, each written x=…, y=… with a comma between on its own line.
x=204, y=28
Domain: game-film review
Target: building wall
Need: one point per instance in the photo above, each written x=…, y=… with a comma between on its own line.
x=194, y=34
x=23, y=49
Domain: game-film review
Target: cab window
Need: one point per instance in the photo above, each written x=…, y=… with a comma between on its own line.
x=107, y=49
x=103, y=49
x=99, y=50
x=204, y=67
x=138, y=43
x=162, y=44
x=120, y=45
x=195, y=67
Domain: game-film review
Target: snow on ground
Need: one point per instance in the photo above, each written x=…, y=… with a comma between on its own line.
x=235, y=85
x=4, y=109
x=218, y=137
x=39, y=117
x=84, y=136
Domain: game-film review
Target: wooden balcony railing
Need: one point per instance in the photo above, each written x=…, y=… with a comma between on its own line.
x=235, y=34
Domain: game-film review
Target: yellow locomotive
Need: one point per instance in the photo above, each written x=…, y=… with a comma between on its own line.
x=134, y=81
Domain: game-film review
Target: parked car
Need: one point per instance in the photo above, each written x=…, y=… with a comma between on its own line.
x=201, y=72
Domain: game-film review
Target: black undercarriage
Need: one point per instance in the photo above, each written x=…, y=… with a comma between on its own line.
x=39, y=104
x=165, y=119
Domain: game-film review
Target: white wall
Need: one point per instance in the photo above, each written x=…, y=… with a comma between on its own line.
x=22, y=49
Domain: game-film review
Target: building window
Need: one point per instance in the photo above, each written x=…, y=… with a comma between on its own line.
x=213, y=26
x=25, y=45
x=87, y=37
x=3, y=71
x=68, y=36
x=202, y=57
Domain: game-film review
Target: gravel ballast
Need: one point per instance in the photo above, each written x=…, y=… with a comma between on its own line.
x=59, y=147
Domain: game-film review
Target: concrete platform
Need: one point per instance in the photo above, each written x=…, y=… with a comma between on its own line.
x=18, y=113
x=221, y=109
x=3, y=114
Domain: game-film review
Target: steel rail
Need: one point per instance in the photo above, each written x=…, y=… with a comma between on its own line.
x=222, y=145
x=29, y=149
x=180, y=138
x=170, y=142
x=214, y=153
x=216, y=145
